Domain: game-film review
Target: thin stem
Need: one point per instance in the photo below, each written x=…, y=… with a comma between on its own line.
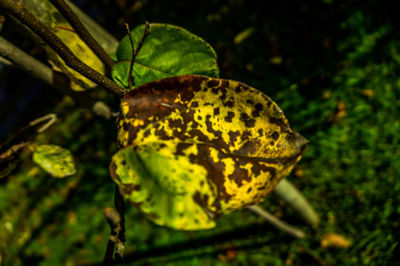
x=81, y=30
x=136, y=51
x=4, y=61
x=114, y=220
x=289, y=193
x=58, y=80
x=36, y=126
x=52, y=118
x=13, y=150
x=16, y=9
x=130, y=86
x=145, y=34
x=119, y=203
x=276, y=222
x=22, y=60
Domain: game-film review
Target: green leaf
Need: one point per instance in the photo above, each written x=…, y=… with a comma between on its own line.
x=168, y=51
x=55, y=160
x=203, y=143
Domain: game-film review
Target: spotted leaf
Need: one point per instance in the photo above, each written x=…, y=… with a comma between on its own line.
x=168, y=51
x=196, y=148
x=56, y=161
x=81, y=50
x=51, y=17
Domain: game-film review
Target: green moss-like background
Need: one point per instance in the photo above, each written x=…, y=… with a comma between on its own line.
x=334, y=69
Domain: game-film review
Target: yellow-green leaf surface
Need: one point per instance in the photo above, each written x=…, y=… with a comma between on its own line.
x=56, y=161
x=168, y=51
x=196, y=148
x=78, y=82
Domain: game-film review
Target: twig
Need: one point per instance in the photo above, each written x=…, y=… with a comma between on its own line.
x=119, y=203
x=9, y=159
x=36, y=126
x=276, y=222
x=24, y=61
x=114, y=220
x=136, y=51
x=13, y=150
x=58, y=80
x=51, y=119
x=103, y=37
x=16, y=9
x=4, y=61
x=286, y=191
x=106, y=40
x=131, y=65
x=81, y=30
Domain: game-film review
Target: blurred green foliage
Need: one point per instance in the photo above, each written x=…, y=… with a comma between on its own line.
x=334, y=70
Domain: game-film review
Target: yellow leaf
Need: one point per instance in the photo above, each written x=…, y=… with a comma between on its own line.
x=80, y=50
x=241, y=36
x=334, y=241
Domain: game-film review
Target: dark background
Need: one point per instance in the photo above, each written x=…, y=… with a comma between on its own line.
x=332, y=67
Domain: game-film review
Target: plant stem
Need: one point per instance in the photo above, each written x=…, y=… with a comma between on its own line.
x=52, y=118
x=22, y=60
x=276, y=222
x=36, y=126
x=145, y=34
x=289, y=193
x=136, y=51
x=119, y=203
x=58, y=80
x=81, y=30
x=103, y=37
x=114, y=220
x=16, y=9
x=130, y=86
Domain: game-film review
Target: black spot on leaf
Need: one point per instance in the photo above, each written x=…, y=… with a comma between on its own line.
x=275, y=136
x=212, y=83
x=248, y=121
x=229, y=117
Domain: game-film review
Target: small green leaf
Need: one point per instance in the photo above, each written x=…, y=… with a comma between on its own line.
x=168, y=51
x=56, y=161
